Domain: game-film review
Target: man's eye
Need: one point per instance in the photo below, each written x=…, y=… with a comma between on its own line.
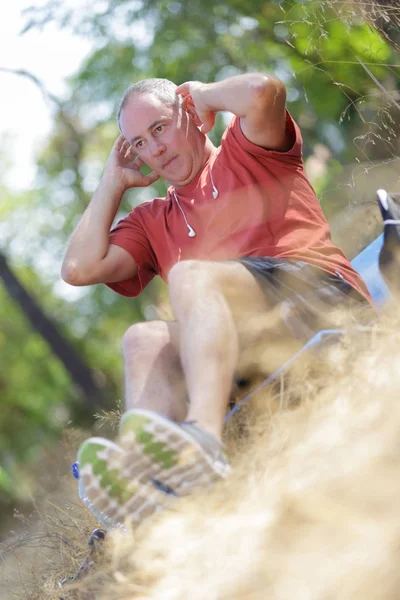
x=159, y=128
x=139, y=144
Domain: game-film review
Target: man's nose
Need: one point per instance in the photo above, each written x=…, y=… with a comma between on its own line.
x=157, y=148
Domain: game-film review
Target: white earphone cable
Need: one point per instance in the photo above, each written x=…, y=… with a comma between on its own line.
x=215, y=195
x=192, y=232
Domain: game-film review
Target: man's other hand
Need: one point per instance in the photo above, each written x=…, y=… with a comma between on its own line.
x=123, y=167
x=195, y=105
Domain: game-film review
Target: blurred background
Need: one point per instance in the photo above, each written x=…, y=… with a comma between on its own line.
x=63, y=68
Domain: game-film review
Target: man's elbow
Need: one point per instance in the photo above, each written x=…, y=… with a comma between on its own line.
x=267, y=90
x=72, y=274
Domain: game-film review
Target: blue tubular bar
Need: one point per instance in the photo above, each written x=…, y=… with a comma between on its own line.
x=367, y=264
x=318, y=337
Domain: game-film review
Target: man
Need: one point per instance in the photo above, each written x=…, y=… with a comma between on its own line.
x=247, y=254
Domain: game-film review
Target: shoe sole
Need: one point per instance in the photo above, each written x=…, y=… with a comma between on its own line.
x=112, y=495
x=162, y=452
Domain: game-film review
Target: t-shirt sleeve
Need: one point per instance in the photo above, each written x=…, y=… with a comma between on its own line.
x=293, y=156
x=130, y=235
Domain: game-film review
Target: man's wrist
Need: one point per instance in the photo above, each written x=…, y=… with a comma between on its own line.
x=210, y=97
x=109, y=185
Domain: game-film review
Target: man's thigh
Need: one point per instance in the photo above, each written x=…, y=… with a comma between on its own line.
x=264, y=340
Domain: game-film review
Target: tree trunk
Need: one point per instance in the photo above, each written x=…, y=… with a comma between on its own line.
x=81, y=375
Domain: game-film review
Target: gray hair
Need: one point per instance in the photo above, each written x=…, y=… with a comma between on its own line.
x=164, y=89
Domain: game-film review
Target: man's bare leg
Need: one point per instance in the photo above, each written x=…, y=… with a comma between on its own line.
x=115, y=477
x=214, y=304
x=153, y=373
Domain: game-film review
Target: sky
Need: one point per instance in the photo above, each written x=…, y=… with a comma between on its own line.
x=25, y=118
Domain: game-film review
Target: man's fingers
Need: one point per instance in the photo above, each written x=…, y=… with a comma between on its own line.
x=208, y=123
x=130, y=153
x=127, y=152
x=153, y=176
x=119, y=142
x=183, y=89
x=150, y=178
x=125, y=147
x=138, y=163
x=187, y=102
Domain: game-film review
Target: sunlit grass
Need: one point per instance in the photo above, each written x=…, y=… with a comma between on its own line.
x=309, y=512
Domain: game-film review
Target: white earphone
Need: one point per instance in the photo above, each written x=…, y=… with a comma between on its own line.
x=215, y=190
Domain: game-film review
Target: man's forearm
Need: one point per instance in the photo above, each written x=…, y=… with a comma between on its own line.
x=240, y=94
x=89, y=243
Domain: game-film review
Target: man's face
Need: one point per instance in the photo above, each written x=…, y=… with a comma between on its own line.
x=164, y=137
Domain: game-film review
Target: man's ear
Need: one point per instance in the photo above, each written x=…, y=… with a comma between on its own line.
x=188, y=106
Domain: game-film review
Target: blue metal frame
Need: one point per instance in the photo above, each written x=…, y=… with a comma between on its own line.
x=367, y=264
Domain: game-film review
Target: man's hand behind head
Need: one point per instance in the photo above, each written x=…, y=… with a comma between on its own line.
x=193, y=103
x=123, y=167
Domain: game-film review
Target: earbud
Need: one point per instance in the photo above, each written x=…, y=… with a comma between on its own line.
x=192, y=232
x=214, y=187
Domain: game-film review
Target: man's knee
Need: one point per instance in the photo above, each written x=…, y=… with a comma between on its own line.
x=189, y=276
x=144, y=338
x=183, y=271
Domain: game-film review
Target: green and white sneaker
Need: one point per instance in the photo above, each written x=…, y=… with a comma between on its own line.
x=109, y=492
x=175, y=457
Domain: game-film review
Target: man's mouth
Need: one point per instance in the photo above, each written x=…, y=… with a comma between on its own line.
x=168, y=162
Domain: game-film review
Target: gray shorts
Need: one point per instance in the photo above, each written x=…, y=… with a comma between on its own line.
x=311, y=299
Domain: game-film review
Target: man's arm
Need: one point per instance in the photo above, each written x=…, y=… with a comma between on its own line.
x=258, y=99
x=90, y=258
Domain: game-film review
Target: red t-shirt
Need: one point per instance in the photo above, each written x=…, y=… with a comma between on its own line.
x=265, y=207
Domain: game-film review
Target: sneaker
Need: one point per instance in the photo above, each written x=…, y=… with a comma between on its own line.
x=175, y=457
x=109, y=492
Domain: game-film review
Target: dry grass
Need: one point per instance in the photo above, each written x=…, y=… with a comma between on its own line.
x=373, y=109
x=311, y=510
x=49, y=543
x=384, y=15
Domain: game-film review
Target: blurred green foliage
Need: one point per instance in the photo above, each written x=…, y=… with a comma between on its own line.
x=315, y=47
